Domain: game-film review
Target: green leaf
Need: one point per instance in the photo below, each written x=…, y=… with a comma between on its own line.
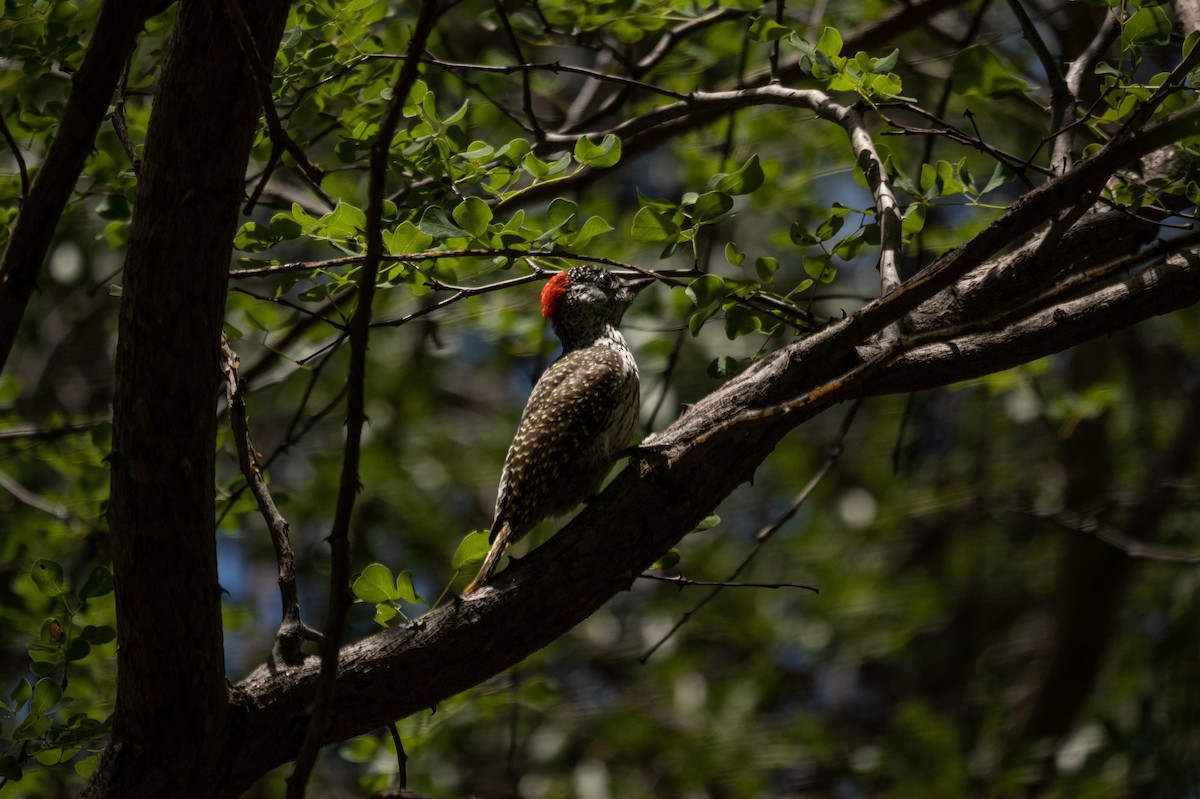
x=48, y=577
x=745, y=180
x=651, y=225
x=560, y=212
x=407, y=238
x=710, y=206
x=473, y=215
x=885, y=64
x=830, y=227
x=667, y=561
x=1147, y=26
x=478, y=151
x=723, y=367
x=471, y=550
x=384, y=613
x=435, y=223
x=375, y=584
x=99, y=582
x=78, y=649
x=913, y=220
x=766, y=29
x=766, y=267
x=593, y=227
x=46, y=694
x=97, y=635
x=979, y=73
x=830, y=43
x=740, y=321
x=405, y=589
x=10, y=768
x=600, y=156
x=800, y=236
x=254, y=237
x=707, y=523
x=85, y=766
x=733, y=255
x=705, y=290
x=696, y=320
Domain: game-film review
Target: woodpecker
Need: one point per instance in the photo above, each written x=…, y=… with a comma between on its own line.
x=580, y=415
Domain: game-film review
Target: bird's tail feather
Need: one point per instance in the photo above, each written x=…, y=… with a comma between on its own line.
x=499, y=543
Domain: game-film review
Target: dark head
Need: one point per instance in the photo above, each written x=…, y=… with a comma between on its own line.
x=583, y=302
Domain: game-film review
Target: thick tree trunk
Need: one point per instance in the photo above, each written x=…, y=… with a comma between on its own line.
x=172, y=701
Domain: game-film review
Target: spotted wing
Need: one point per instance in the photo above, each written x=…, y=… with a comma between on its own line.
x=581, y=413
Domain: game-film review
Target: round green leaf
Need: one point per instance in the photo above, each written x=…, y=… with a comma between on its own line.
x=48, y=577
x=711, y=205
x=471, y=550
x=650, y=225
x=99, y=582
x=473, y=215
x=375, y=584
x=605, y=154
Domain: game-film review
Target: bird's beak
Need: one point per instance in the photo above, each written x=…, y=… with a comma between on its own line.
x=635, y=285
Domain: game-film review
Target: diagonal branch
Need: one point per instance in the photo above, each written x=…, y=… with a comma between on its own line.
x=111, y=44
x=603, y=550
x=262, y=84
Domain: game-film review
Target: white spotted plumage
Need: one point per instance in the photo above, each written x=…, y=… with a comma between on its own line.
x=581, y=413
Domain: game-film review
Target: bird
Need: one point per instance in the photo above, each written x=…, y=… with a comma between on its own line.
x=580, y=415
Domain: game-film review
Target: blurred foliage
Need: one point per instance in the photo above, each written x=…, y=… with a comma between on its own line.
x=940, y=572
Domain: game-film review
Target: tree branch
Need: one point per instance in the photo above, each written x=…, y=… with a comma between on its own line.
x=93, y=86
x=291, y=633
x=685, y=475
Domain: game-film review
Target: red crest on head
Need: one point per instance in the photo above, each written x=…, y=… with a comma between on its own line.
x=552, y=295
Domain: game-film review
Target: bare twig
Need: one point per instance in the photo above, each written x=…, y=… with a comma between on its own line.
x=1089, y=525
x=1062, y=101
x=51, y=433
x=16, y=152
x=766, y=533
x=1083, y=66
x=535, y=125
x=32, y=499
x=887, y=209
x=401, y=756
x=685, y=582
x=118, y=120
x=292, y=633
x=262, y=84
x=348, y=484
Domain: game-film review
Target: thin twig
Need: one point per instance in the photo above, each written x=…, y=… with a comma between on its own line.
x=291, y=633
x=20, y=159
x=401, y=756
x=33, y=500
x=118, y=120
x=535, y=125
x=51, y=433
x=686, y=582
x=262, y=84
x=767, y=532
x=1062, y=101
x=1089, y=525
x=348, y=483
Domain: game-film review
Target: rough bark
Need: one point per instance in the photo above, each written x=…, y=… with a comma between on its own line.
x=171, y=688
